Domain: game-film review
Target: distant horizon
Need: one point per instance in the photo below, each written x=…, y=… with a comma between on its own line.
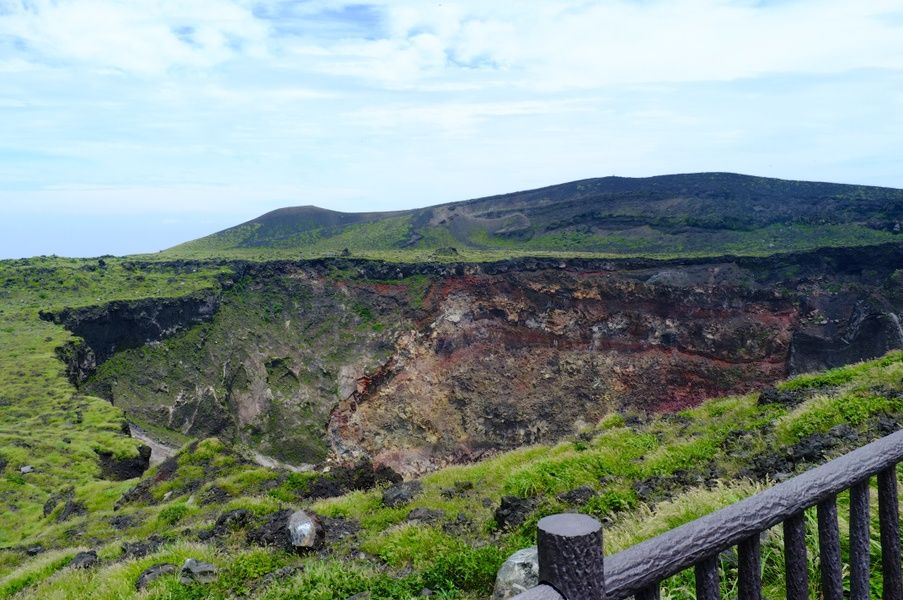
x=131, y=126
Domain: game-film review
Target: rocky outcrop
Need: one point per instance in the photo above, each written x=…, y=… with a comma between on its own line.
x=109, y=328
x=839, y=329
x=121, y=468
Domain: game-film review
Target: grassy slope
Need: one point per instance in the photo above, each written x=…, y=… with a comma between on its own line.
x=43, y=422
x=695, y=215
x=689, y=464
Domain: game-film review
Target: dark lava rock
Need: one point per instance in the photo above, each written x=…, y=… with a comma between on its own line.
x=647, y=489
x=811, y=448
x=3, y=463
x=323, y=487
x=141, y=549
x=338, y=529
x=886, y=425
x=195, y=571
x=232, y=520
x=401, y=493
x=513, y=511
x=34, y=550
x=459, y=526
x=153, y=573
x=54, y=500
x=142, y=491
x=459, y=488
x=343, y=479
x=120, y=469
x=274, y=532
x=289, y=530
x=122, y=522
x=578, y=496
x=71, y=509
x=772, y=395
x=779, y=466
x=426, y=515
x=215, y=495
x=843, y=433
x=84, y=560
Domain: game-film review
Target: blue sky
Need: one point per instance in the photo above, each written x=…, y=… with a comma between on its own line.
x=129, y=126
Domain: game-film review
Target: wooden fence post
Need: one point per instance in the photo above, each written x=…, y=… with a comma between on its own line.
x=570, y=556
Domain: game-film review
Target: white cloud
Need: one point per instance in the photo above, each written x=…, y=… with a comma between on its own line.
x=147, y=37
x=549, y=44
x=143, y=107
x=535, y=43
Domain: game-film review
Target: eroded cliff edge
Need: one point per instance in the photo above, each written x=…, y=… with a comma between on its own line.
x=420, y=365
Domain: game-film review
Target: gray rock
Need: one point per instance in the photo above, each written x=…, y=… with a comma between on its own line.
x=84, y=560
x=153, y=573
x=517, y=574
x=195, y=571
x=305, y=530
x=26, y=469
x=401, y=493
x=34, y=550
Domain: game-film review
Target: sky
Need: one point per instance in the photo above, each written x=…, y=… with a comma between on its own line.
x=130, y=126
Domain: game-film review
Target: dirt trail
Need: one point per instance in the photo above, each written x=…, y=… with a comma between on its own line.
x=159, y=450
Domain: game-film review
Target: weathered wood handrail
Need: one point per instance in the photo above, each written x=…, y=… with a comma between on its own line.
x=639, y=570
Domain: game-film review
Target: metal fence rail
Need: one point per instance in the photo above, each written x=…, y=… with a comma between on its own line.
x=570, y=545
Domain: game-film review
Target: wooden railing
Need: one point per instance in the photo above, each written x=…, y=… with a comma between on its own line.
x=571, y=564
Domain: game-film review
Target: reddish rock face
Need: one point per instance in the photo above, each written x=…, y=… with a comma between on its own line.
x=525, y=357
